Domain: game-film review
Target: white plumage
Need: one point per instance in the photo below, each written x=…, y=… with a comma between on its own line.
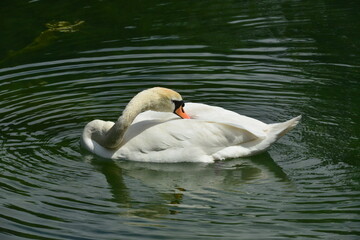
x=212, y=133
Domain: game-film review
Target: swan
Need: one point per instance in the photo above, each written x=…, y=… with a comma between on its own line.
x=154, y=127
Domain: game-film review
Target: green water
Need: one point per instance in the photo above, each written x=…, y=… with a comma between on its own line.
x=65, y=63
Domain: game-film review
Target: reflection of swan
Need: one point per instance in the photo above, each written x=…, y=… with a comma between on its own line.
x=156, y=189
x=199, y=178
x=212, y=133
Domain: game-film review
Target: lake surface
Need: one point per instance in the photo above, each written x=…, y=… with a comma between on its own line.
x=65, y=63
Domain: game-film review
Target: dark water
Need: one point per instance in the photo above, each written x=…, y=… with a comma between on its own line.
x=270, y=60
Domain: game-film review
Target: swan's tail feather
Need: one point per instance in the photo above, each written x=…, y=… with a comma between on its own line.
x=280, y=129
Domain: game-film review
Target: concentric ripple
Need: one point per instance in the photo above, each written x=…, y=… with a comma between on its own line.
x=255, y=60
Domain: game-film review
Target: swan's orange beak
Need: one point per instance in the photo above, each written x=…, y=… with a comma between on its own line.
x=181, y=113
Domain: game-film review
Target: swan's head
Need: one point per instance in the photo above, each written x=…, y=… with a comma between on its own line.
x=162, y=100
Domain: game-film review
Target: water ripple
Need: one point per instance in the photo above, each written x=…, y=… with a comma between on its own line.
x=51, y=189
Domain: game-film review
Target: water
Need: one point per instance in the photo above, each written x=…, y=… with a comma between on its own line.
x=271, y=60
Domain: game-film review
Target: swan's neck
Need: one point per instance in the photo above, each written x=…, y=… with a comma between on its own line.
x=112, y=137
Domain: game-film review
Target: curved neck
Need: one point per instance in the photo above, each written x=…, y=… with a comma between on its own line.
x=114, y=136
x=156, y=99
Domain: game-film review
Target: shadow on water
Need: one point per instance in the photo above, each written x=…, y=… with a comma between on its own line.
x=165, y=185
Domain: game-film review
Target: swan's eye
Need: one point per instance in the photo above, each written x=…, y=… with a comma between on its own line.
x=178, y=104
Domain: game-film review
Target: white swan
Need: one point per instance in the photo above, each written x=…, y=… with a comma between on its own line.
x=158, y=135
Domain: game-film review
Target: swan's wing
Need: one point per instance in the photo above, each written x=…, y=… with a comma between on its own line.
x=180, y=140
x=211, y=114
x=217, y=114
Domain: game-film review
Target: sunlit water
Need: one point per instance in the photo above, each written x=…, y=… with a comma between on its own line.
x=271, y=60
